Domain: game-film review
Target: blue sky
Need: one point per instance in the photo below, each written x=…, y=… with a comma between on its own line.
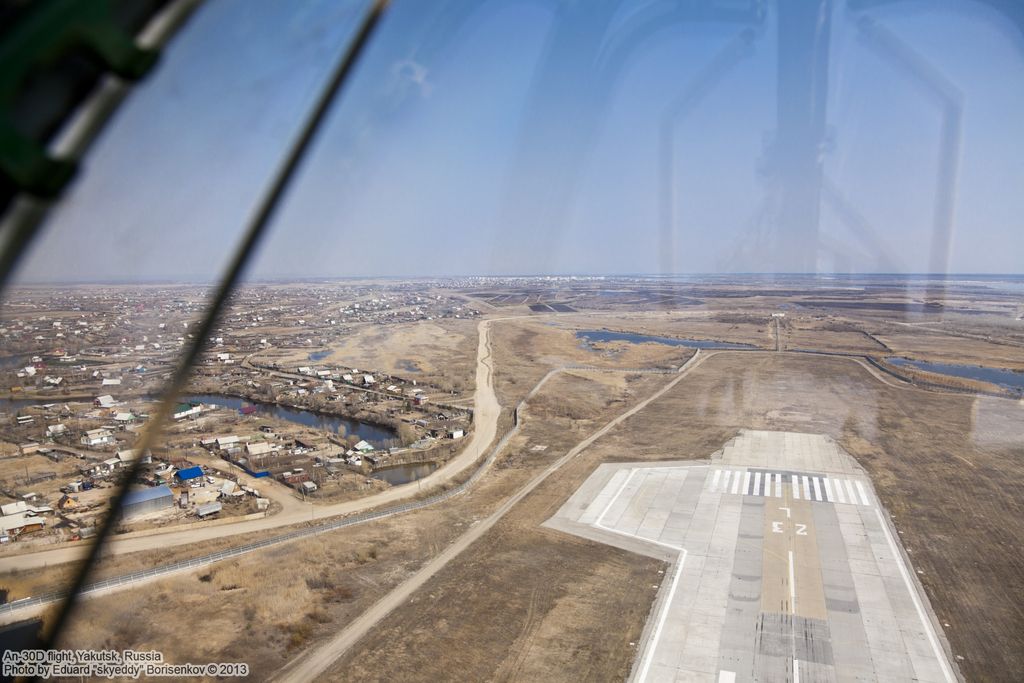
x=518, y=137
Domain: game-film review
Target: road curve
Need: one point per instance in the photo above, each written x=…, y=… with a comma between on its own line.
x=311, y=665
x=485, y=426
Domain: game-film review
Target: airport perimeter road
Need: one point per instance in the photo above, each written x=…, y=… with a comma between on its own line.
x=309, y=665
x=485, y=426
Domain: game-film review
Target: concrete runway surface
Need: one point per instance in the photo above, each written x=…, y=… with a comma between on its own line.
x=784, y=566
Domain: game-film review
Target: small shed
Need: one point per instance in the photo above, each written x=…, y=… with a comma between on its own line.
x=208, y=509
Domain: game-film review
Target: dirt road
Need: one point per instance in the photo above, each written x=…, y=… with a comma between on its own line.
x=485, y=425
x=309, y=665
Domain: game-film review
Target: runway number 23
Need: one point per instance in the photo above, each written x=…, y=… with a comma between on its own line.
x=779, y=527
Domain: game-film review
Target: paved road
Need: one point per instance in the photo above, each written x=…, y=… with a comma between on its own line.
x=310, y=665
x=485, y=417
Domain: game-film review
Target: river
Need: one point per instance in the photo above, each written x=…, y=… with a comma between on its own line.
x=1007, y=379
x=403, y=474
x=591, y=336
x=375, y=434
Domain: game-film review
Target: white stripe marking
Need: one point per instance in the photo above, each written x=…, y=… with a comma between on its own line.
x=863, y=493
x=714, y=480
x=736, y=483
x=796, y=486
x=796, y=670
x=792, y=584
x=807, y=487
x=746, y=482
x=828, y=490
x=817, y=488
x=726, y=677
x=840, y=496
x=757, y=484
x=778, y=485
x=725, y=481
x=851, y=495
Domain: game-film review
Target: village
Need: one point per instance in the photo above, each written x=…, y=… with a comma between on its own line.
x=269, y=414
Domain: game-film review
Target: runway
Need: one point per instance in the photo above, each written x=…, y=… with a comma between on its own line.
x=783, y=566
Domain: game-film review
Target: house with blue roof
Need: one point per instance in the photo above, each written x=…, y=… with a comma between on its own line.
x=189, y=473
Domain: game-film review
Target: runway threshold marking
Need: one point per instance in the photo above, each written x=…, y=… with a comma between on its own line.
x=855, y=493
x=813, y=488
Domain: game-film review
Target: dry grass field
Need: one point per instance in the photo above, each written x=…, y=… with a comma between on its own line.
x=526, y=603
x=527, y=348
x=924, y=345
x=264, y=608
x=529, y=603
x=439, y=352
x=947, y=467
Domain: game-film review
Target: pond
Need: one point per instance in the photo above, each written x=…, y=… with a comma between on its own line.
x=591, y=336
x=10, y=405
x=1007, y=379
x=403, y=474
x=319, y=355
x=375, y=434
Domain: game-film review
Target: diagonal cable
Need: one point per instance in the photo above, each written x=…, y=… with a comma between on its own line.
x=265, y=212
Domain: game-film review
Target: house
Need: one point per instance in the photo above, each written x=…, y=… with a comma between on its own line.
x=14, y=508
x=56, y=430
x=307, y=487
x=97, y=437
x=183, y=410
x=188, y=474
x=105, y=401
x=29, y=447
x=368, y=380
x=294, y=478
x=110, y=464
x=20, y=506
x=21, y=523
x=364, y=446
x=259, y=448
x=108, y=382
x=230, y=489
x=130, y=455
x=124, y=418
x=225, y=442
